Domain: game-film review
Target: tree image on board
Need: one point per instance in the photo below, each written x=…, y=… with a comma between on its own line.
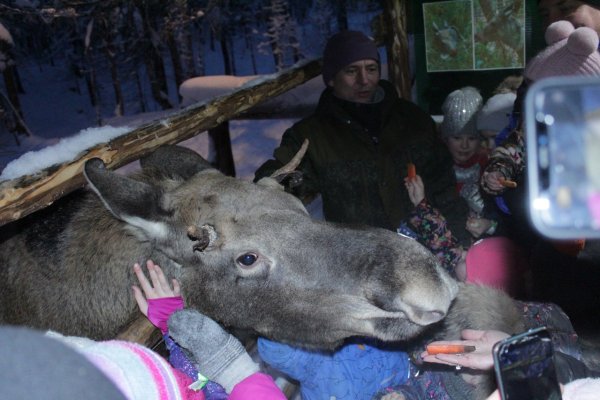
x=499, y=33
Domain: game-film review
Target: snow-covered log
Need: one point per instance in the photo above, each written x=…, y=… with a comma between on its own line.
x=22, y=196
x=297, y=102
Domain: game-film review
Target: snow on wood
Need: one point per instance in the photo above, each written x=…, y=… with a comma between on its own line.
x=295, y=103
x=22, y=196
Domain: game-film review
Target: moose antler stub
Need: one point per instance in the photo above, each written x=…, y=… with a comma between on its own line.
x=205, y=236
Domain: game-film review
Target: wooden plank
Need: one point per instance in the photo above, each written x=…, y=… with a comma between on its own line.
x=141, y=331
x=22, y=196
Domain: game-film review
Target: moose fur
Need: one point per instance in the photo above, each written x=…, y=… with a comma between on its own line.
x=247, y=255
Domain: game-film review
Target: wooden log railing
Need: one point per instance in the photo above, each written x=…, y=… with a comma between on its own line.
x=27, y=194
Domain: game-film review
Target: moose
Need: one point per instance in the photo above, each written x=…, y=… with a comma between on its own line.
x=248, y=255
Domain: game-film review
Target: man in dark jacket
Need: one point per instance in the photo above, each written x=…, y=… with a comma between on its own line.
x=361, y=138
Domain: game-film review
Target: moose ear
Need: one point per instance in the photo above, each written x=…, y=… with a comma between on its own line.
x=135, y=202
x=175, y=162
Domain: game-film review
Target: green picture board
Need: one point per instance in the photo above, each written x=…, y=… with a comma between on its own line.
x=474, y=35
x=478, y=60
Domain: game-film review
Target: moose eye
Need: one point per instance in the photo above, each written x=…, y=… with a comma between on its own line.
x=247, y=259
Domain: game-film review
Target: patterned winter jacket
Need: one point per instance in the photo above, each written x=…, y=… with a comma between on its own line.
x=429, y=227
x=359, y=174
x=508, y=158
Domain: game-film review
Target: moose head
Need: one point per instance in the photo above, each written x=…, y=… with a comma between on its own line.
x=251, y=257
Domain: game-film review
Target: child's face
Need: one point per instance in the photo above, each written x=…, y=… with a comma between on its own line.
x=488, y=138
x=463, y=147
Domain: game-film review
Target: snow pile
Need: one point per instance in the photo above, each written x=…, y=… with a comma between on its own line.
x=65, y=150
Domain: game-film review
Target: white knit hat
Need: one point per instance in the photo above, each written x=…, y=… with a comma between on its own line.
x=494, y=115
x=460, y=109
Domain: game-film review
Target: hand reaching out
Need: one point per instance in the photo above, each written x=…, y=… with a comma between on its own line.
x=493, y=182
x=158, y=300
x=416, y=189
x=480, y=359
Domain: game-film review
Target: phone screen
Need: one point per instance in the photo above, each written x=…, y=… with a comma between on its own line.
x=525, y=368
x=563, y=151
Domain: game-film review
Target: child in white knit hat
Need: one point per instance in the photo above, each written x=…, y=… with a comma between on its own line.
x=571, y=51
x=426, y=224
x=494, y=116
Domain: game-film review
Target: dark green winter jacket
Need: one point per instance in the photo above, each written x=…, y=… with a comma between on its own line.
x=360, y=178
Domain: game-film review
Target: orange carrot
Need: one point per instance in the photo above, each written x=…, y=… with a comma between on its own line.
x=569, y=247
x=508, y=183
x=449, y=349
x=411, y=171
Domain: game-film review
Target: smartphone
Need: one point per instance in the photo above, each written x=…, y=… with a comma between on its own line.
x=524, y=367
x=562, y=133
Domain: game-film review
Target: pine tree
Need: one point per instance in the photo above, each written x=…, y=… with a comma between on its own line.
x=281, y=35
x=11, y=115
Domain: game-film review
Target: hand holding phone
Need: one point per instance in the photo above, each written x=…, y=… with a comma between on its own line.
x=524, y=367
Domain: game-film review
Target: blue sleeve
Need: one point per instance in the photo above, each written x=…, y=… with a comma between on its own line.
x=357, y=370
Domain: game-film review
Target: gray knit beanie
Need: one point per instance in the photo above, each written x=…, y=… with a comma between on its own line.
x=343, y=49
x=460, y=111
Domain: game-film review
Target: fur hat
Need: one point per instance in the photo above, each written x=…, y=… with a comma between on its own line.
x=496, y=262
x=343, y=49
x=494, y=114
x=460, y=109
x=570, y=51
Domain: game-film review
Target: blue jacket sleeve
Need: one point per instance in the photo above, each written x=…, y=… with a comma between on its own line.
x=357, y=370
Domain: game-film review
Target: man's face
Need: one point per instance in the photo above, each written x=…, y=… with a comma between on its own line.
x=575, y=11
x=357, y=81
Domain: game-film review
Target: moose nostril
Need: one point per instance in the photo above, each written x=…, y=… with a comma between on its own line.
x=429, y=317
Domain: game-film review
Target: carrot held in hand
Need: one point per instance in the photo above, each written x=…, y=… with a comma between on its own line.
x=449, y=349
x=411, y=171
x=508, y=183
